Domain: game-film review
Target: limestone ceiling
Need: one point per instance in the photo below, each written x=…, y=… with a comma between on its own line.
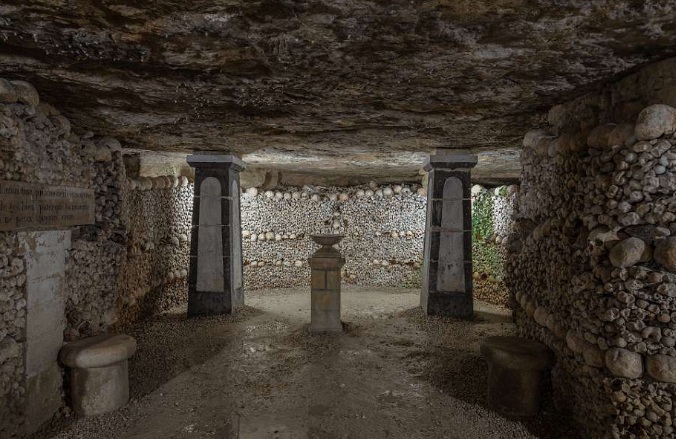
x=349, y=81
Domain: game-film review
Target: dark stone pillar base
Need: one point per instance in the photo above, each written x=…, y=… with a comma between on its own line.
x=450, y=304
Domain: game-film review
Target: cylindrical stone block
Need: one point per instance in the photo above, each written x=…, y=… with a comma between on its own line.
x=514, y=392
x=99, y=389
x=99, y=376
x=515, y=374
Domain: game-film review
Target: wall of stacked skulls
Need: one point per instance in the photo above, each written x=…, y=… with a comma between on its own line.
x=383, y=228
x=158, y=245
x=591, y=263
x=492, y=211
x=36, y=146
x=131, y=261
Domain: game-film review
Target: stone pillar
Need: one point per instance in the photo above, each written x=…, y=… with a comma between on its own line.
x=325, y=291
x=215, y=281
x=447, y=270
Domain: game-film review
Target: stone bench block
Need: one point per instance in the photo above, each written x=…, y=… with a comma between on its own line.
x=515, y=374
x=99, y=377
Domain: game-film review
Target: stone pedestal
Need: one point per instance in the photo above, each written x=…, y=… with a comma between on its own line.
x=515, y=374
x=215, y=281
x=325, y=293
x=447, y=270
x=99, y=378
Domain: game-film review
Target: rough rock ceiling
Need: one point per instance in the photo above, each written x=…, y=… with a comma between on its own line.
x=326, y=79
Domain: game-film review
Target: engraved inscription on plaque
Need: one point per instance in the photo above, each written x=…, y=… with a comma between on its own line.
x=39, y=206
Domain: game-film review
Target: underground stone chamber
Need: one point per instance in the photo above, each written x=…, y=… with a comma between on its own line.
x=163, y=157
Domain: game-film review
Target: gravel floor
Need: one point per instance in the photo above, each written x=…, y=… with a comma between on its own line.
x=260, y=374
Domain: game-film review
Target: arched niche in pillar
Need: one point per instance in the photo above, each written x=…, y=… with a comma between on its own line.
x=451, y=270
x=210, y=276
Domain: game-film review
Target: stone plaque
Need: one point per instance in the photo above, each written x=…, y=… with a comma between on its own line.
x=39, y=206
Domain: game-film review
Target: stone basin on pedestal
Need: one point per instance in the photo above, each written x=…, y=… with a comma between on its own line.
x=325, y=287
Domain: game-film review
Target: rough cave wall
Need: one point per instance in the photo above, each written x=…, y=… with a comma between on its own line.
x=591, y=261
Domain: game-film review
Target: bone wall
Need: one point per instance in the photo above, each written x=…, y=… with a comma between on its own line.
x=97, y=254
x=131, y=262
x=36, y=145
x=591, y=269
x=492, y=211
x=383, y=228
x=158, y=244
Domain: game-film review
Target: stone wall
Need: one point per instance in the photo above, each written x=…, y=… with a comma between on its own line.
x=492, y=211
x=158, y=244
x=618, y=102
x=65, y=284
x=383, y=228
x=36, y=146
x=591, y=269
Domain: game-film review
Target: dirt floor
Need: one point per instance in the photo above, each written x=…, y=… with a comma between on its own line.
x=259, y=374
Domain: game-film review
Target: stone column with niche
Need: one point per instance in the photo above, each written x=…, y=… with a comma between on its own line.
x=447, y=269
x=215, y=282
